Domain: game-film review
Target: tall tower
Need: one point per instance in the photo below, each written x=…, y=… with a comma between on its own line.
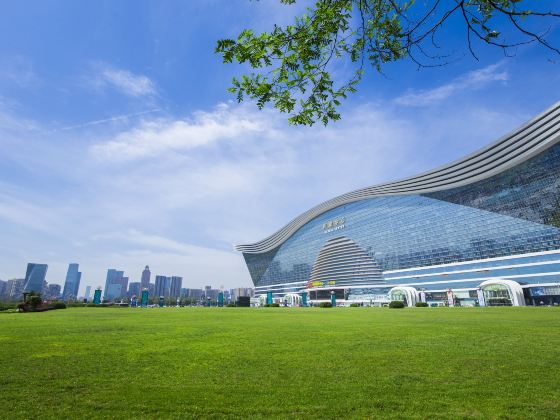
x=72, y=283
x=145, y=279
x=176, y=284
x=113, y=284
x=35, y=277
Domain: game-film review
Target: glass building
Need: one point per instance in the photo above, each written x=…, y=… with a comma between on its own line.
x=114, y=284
x=484, y=230
x=35, y=277
x=72, y=282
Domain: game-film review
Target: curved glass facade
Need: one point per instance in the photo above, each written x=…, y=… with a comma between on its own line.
x=445, y=234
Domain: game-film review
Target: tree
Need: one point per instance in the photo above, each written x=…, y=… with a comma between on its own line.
x=293, y=64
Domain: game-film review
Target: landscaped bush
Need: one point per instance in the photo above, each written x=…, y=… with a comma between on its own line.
x=35, y=301
x=396, y=304
x=230, y=305
x=4, y=306
x=274, y=305
x=421, y=305
x=354, y=305
x=325, y=305
x=59, y=305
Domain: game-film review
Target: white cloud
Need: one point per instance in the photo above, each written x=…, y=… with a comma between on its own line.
x=153, y=137
x=117, y=118
x=471, y=80
x=124, y=81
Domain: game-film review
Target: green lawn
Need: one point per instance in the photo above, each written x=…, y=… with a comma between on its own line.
x=308, y=362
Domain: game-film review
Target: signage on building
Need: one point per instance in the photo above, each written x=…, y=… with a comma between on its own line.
x=333, y=225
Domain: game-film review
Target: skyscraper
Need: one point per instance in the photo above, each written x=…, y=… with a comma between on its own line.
x=176, y=283
x=134, y=289
x=145, y=279
x=3, y=287
x=163, y=286
x=35, y=277
x=113, y=284
x=124, y=286
x=72, y=283
x=53, y=291
x=14, y=288
x=88, y=292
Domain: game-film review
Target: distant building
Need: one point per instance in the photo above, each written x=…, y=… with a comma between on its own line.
x=53, y=292
x=192, y=293
x=145, y=280
x=124, y=286
x=213, y=294
x=3, y=287
x=35, y=277
x=72, y=283
x=242, y=292
x=88, y=292
x=151, y=289
x=14, y=289
x=176, y=283
x=163, y=286
x=134, y=289
x=113, y=284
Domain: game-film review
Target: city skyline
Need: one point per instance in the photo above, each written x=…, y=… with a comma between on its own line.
x=38, y=272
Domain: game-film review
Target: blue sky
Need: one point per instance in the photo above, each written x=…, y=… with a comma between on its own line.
x=120, y=147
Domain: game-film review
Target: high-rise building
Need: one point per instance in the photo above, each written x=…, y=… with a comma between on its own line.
x=35, y=277
x=176, y=283
x=163, y=286
x=14, y=288
x=88, y=292
x=145, y=279
x=53, y=291
x=151, y=289
x=192, y=293
x=134, y=289
x=72, y=283
x=213, y=294
x=113, y=284
x=3, y=287
x=124, y=286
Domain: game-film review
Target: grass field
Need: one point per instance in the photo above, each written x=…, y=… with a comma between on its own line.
x=308, y=362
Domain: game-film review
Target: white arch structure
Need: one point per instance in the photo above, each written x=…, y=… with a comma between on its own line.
x=410, y=292
x=515, y=290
